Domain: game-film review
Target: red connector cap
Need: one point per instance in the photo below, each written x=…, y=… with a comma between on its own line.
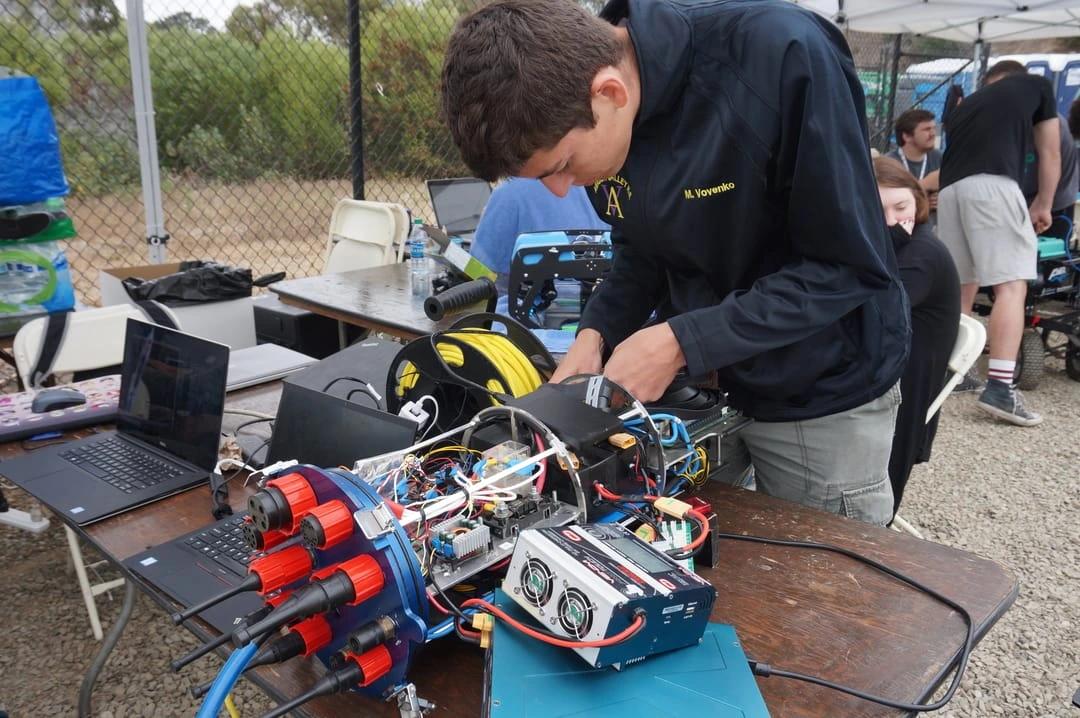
x=282, y=568
x=315, y=632
x=374, y=664
x=366, y=576
x=327, y=524
x=297, y=493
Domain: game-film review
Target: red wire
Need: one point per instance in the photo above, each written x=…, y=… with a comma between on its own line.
x=619, y=637
x=702, y=520
x=437, y=605
x=542, y=474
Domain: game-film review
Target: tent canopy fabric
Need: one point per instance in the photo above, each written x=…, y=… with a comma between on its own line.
x=961, y=20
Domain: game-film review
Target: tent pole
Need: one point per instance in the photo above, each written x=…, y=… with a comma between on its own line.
x=980, y=66
x=894, y=74
x=146, y=132
x=356, y=101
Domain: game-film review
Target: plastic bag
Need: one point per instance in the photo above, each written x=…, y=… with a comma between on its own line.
x=34, y=278
x=196, y=282
x=31, y=170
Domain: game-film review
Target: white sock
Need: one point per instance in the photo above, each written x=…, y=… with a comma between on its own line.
x=1001, y=370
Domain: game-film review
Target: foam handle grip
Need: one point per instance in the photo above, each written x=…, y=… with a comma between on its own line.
x=459, y=297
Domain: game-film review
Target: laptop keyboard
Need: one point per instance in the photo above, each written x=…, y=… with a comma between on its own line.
x=125, y=466
x=224, y=543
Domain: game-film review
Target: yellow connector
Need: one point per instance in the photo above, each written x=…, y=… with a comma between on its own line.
x=573, y=459
x=672, y=507
x=646, y=533
x=622, y=440
x=483, y=621
x=485, y=639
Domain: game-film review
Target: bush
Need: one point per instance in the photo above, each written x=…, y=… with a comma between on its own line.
x=98, y=164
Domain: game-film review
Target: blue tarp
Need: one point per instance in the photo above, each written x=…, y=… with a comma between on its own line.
x=30, y=166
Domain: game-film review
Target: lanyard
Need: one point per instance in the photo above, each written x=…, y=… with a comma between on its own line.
x=907, y=165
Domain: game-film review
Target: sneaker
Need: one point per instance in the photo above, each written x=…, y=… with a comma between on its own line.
x=969, y=383
x=1005, y=402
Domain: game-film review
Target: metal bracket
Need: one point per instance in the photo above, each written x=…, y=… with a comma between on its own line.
x=156, y=240
x=409, y=704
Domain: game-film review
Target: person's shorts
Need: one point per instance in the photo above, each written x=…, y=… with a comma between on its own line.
x=984, y=222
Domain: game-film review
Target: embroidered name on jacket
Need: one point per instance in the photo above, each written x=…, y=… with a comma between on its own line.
x=702, y=192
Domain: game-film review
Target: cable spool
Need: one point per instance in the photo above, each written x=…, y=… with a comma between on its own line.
x=469, y=367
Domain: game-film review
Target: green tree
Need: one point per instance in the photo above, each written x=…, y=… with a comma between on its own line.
x=255, y=22
x=183, y=21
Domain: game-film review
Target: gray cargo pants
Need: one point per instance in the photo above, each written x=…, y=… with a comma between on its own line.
x=839, y=463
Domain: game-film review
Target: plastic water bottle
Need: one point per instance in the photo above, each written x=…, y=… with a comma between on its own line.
x=418, y=263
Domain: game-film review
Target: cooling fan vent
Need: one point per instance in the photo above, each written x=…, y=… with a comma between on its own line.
x=537, y=582
x=575, y=613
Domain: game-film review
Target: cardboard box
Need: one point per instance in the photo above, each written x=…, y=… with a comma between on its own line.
x=231, y=322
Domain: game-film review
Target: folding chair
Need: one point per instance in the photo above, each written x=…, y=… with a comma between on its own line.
x=364, y=234
x=970, y=339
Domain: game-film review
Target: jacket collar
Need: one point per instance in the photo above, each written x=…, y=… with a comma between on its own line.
x=663, y=42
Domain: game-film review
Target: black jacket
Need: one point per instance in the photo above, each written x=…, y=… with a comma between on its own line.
x=747, y=214
x=929, y=276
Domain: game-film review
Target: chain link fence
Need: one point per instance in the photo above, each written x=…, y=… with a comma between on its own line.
x=252, y=109
x=900, y=72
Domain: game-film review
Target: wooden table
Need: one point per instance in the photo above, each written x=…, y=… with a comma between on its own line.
x=378, y=298
x=806, y=611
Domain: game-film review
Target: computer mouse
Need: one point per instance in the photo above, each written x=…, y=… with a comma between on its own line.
x=48, y=400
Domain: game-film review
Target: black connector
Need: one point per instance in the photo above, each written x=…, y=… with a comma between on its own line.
x=317, y=597
x=221, y=640
x=340, y=680
x=379, y=631
x=251, y=582
x=281, y=650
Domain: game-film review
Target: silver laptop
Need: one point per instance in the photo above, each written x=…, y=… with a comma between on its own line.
x=262, y=363
x=458, y=203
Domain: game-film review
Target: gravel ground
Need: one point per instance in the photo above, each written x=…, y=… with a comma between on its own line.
x=1007, y=493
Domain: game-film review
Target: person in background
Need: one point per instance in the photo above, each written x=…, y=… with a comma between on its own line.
x=1061, y=215
x=521, y=205
x=983, y=219
x=916, y=137
x=1074, y=121
x=933, y=287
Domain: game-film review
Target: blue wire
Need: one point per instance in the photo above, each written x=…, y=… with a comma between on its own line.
x=226, y=679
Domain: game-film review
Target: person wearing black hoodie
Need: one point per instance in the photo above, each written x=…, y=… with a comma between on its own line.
x=933, y=286
x=726, y=144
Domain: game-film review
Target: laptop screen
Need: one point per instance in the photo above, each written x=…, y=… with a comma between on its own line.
x=458, y=203
x=317, y=428
x=172, y=391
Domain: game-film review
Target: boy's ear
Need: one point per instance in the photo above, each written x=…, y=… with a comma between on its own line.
x=610, y=85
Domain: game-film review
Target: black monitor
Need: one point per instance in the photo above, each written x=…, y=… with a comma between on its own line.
x=458, y=203
x=172, y=391
x=316, y=428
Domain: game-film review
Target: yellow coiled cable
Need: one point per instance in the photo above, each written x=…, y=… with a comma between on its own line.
x=518, y=373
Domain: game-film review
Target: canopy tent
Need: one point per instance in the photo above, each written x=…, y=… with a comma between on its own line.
x=962, y=20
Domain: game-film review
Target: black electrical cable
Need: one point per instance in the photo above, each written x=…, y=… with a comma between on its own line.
x=252, y=454
x=111, y=638
x=366, y=392
x=960, y=661
x=251, y=422
x=365, y=387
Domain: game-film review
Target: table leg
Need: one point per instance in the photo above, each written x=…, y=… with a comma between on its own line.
x=107, y=646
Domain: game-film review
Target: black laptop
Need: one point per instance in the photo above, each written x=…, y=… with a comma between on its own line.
x=312, y=427
x=172, y=394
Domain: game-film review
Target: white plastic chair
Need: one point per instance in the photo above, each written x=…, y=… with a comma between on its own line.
x=970, y=339
x=363, y=234
x=93, y=339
